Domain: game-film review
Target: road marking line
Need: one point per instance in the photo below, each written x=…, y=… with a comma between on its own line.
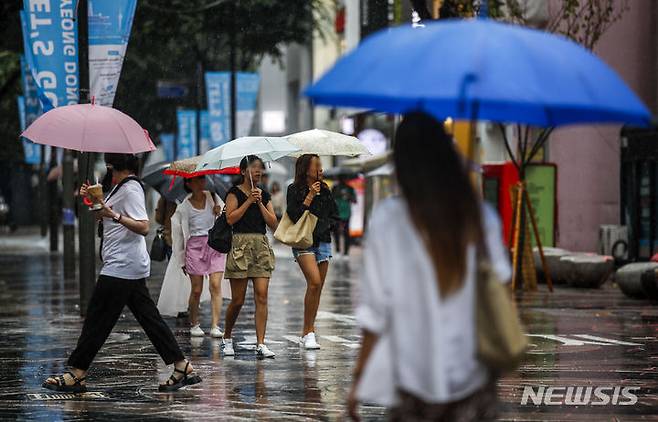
x=336, y=339
x=607, y=340
x=293, y=339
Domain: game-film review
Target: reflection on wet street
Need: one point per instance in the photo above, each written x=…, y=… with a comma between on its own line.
x=579, y=338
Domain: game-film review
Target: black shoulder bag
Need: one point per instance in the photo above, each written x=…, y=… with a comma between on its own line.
x=220, y=235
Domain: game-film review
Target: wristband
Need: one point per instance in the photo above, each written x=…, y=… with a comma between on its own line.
x=117, y=218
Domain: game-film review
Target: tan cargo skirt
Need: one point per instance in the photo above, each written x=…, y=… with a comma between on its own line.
x=251, y=256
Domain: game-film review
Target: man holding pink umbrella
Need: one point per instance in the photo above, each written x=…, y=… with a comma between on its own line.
x=122, y=281
x=122, y=213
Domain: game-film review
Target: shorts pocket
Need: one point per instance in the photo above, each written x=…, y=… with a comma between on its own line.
x=237, y=260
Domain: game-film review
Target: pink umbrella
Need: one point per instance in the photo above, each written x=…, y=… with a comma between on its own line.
x=89, y=128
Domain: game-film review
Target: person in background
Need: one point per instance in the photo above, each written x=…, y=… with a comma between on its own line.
x=163, y=212
x=249, y=211
x=278, y=200
x=345, y=196
x=122, y=281
x=417, y=301
x=309, y=192
x=193, y=258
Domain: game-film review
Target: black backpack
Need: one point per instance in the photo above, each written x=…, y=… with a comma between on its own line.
x=221, y=234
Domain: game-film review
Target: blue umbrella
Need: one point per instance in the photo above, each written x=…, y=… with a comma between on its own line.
x=480, y=70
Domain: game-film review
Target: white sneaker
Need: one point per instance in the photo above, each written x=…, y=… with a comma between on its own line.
x=263, y=352
x=228, y=347
x=196, y=331
x=309, y=342
x=216, y=332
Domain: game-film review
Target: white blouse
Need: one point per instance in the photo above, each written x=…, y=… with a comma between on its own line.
x=426, y=344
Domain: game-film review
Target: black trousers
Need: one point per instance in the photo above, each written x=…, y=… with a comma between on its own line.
x=107, y=302
x=342, y=229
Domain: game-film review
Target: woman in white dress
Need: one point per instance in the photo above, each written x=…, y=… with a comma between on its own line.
x=417, y=300
x=193, y=261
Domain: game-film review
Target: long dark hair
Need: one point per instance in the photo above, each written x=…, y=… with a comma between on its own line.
x=301, y=168
x=246, y=162
x=443, y=204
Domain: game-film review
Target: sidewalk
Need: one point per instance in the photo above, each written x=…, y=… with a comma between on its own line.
x=25, y=240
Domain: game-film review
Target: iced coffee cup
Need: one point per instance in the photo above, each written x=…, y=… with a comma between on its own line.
x=96, y=195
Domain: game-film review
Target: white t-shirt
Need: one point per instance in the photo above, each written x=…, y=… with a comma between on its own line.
x=432, y=339
x=201, y=220
x=124, y=251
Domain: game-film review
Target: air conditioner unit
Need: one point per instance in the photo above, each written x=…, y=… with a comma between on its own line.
x=613, y=241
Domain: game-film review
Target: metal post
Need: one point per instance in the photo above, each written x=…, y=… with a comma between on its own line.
x=68, y=215
x=43, y=194
x=232, y=52
x=53, y=205
x=86, y=232
x=199, y=86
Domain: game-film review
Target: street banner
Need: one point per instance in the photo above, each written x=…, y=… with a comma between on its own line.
x=50, y=37
x=31, y=109
x=218, y=92
x=110, y=22
x=247, y=93
x=167, y=142
x=186, y=139
x=205, y=131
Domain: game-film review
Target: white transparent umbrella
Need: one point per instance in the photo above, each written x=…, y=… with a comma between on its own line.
x=268, y=148
x=326, y=143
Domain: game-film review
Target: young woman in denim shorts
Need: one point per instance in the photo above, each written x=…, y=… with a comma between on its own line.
x=309, y=192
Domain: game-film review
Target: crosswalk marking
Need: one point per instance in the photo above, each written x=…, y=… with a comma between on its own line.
x=293, y=339
x=336, y=339
x=607, y=340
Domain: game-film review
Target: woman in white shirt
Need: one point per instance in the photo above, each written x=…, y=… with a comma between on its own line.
x=193, y=257
x=417, y=300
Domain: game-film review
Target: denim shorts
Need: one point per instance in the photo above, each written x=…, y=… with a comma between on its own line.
x=322, y=252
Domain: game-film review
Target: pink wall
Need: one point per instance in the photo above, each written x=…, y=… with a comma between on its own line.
x=588, y=156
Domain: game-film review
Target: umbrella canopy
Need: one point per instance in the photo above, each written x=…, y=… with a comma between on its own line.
x=268, y=148
x=155, y=177
x=89, y=128
x=327, y=143
x=336, y=172
x=480, y=70
x=387, y=169
x=368, y=163
x=276, y=169
x=187, y=168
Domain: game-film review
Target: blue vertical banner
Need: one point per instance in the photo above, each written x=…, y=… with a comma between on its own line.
x=218, y=92
x=50, y=38
x=20, y=100
x=31, y=110
x=247, y=93
x=167, y=142
x=186, y=139
x=205, y=131
x=110, y=22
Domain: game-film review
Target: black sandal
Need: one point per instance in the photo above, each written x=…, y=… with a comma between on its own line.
x=178, y=383
x=61, y=385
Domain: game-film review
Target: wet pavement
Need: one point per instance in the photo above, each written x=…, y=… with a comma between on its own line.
x=595, y=338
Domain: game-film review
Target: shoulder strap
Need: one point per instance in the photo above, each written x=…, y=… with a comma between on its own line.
x=123, y=182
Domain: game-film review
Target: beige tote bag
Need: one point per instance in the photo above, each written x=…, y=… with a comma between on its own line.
x=298, y=235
